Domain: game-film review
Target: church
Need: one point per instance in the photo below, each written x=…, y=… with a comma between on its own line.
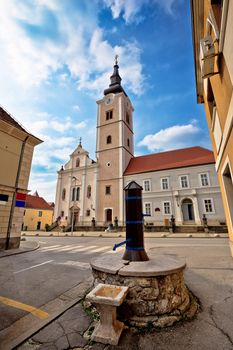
x=182, y=182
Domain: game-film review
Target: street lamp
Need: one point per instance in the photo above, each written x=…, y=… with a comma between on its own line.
x=74, y=203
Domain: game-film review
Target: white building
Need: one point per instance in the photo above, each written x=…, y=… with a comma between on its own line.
x=181, y=182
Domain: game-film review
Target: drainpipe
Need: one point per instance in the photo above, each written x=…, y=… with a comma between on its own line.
x=14, y=195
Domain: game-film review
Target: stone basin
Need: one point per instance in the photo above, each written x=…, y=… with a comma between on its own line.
x=108, y=294
x=107, y=297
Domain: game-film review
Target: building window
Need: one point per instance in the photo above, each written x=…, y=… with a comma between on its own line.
x=167, y=208
x=73, y=194
x=77, y=193
x=88, y=212
x=208, y=206
x=148, y=208
x=146, y=185
x=128, y=143
x=77, y=162
x=63, y=194
x=108, y=190
x=204, y=179
x=39, y=213
x=109, y=139
x=62, y=213
x=184, y=181
x=88, y=191
x=109, y=115
x=164, y=183
x=127, y=117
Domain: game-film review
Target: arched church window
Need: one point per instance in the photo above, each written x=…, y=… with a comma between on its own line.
x=77, y=162
x=73, y=193
x=88, y=191
x=109, y=139
x=77, y=193
x=127, y=117
x=63, y=194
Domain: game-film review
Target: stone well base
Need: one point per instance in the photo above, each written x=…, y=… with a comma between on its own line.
x=157, y=291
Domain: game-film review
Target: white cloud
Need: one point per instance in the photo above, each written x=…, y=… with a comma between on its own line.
x=44, y=185
x=51, y=124
x=102, y=54
x=80, y=47
x=130, y=9
x=76, y=108
x=177, y=136
x=67, y=125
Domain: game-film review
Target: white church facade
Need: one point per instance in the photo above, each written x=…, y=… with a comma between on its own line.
x=182, y=183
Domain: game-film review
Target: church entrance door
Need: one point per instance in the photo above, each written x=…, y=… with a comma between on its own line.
x=109, y=215
x=74, y=216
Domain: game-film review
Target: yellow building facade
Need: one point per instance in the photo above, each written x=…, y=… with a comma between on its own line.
x=16, y=150
x=212, y=23
x=38, y=214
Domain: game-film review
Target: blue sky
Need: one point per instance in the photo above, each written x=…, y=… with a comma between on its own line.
x=56, y=60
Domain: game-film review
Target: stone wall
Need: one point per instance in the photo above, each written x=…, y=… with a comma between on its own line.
x=160, y=301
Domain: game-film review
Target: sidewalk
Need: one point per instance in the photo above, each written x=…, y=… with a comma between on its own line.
x=120, y=234
x=25, y=246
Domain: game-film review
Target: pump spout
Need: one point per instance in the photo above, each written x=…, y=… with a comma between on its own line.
x=120, y=244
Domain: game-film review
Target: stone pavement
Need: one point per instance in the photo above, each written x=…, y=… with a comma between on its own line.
x=209, y=276
x=211, y=329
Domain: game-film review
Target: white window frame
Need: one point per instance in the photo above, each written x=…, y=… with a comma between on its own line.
x=212, y=204
x=170, y=207
x=168, y=185
x=150, y=204
x=183, y=188
x=144, y=187
x=208, y=179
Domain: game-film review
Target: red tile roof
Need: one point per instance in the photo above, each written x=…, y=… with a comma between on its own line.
x=35, y=202
x=7, y=118
x=170, y=160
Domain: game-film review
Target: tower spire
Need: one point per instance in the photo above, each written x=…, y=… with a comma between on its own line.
x=115, y=80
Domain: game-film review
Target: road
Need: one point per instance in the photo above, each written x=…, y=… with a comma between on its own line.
x=35, y=278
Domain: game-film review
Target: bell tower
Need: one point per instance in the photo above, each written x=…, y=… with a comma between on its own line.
x=114, y=148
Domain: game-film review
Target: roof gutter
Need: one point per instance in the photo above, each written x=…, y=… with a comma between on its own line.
x=197, y=23
x=14, y=193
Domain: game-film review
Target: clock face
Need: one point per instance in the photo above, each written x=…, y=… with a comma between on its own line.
x=109, y=99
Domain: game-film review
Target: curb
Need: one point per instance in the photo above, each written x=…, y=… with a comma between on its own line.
x=122, y=235
x=17, y=251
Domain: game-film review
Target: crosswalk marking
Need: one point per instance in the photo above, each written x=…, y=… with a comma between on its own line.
x=106, y=247
x=69, y=247
x=51, y=247
x=83, y=249
x=86, y=250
